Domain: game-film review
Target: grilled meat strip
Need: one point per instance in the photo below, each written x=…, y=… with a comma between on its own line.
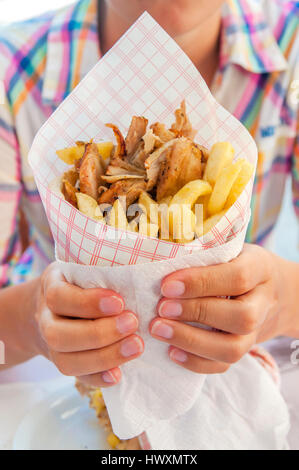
x=90, y=171
x=181, y=165
x=130, y=188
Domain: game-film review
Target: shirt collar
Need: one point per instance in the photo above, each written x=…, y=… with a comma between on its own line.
x=247, y=39
x=72, y=49
x=73, y=44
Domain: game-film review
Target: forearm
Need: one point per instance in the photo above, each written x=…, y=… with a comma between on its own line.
x=18, y=328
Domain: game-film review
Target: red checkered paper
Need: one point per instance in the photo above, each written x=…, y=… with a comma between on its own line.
x=145, y=73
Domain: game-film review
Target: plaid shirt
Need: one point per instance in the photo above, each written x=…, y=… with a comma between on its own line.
x=43, y=59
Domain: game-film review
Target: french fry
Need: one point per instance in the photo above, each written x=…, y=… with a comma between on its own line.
x=223, y=186
x=207, y=225
x=181, y=218
x=147, y=228
x=71, y=154
x=163, y=218
x=117, y=216
x=105, y=149
x=165, y=200
x=221, y=155
x=203, y=201
x=181, y=223
x=150, y=207
x=240, y=183
x=89, y=206
x=99, y=214
x=189, y=193
x=113, y=440
x=133, y=226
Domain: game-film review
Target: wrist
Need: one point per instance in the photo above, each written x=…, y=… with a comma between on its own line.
x=34, y=342
x=19, y=328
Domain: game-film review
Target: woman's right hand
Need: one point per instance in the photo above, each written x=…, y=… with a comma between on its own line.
x=85, y=332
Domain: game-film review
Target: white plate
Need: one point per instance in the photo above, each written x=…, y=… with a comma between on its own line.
x=61, y=421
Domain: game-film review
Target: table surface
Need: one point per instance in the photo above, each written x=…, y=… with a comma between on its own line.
x=23, y=386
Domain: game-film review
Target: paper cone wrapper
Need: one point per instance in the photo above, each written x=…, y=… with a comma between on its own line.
x=145, y=73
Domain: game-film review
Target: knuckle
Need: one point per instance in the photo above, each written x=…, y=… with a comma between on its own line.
x=63, y=365
x=88, y=301
x=48, y=273
x=249, y=318
x=242, y=279
x=191, y=343
x=202, y=283
x=234, y=353
x=50, y=336
x=201, y=311
x=50, y=298
x=96, y=332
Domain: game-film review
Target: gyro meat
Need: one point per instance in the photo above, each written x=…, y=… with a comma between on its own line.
x=151, y=141
x=114, y=178
x=71, y=176
x=69, y=192
x=139, y=157
x=130, y=188
x=154, y=161
x=180, y=166
x=160, y=131
x=120, y=151
x=182, y=127
x=136, y=131
x=122, y=167
x=91, y=170
x=191, y=167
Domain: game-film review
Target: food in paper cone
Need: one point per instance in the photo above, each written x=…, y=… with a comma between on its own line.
x=164, y=176
x=156, y=181
x=153, y=389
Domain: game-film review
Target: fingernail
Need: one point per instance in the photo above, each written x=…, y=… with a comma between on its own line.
x=178, y=355
x=126, y=322
x=131, y=346
x=170, y=309
x=161, y=329
x=111, y=304
x=173, y=288
x=108, y=377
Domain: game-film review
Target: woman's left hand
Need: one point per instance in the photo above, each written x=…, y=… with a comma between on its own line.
x=262, y=294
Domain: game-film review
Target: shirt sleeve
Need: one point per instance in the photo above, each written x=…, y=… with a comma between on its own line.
x=10, y=192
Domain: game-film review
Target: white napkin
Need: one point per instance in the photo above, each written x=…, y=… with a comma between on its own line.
x=152, y=388
x=239, y=410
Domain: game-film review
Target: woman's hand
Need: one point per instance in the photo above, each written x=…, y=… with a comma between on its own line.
x=85, y=332
x=264, y=294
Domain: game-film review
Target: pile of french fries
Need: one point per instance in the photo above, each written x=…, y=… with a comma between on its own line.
x=188, y=214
